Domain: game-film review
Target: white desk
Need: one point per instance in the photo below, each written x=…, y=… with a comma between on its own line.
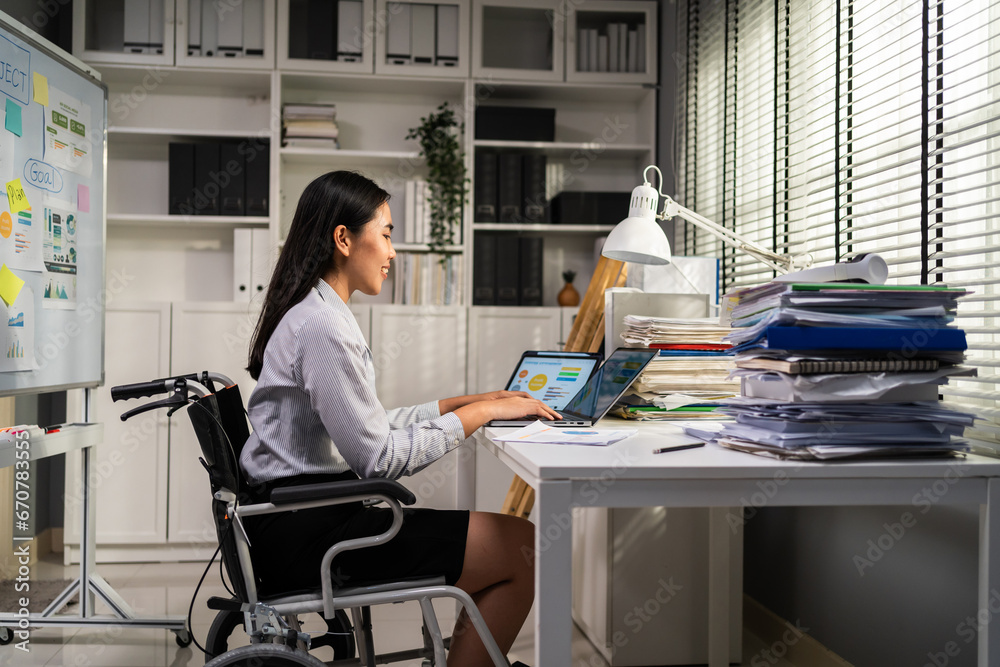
x=628, y=474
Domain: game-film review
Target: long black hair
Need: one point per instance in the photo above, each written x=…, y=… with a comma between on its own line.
x=334, y=199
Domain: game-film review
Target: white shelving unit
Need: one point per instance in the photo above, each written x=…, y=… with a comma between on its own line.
x=172, y=266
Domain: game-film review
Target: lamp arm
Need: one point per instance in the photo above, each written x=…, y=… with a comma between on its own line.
x=780, y=263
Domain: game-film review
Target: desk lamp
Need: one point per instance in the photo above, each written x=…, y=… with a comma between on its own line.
x=638, y=238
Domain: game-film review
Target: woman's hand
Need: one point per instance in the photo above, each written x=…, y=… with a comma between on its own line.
x=503, y=393
x=513, y=405
x=452, y=404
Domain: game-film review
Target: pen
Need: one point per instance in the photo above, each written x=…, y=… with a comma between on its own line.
x=677, y=448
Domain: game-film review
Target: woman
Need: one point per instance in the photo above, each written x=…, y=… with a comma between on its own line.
x=316, y=418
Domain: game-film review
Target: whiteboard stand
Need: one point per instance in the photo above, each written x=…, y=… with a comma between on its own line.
x=89, y=585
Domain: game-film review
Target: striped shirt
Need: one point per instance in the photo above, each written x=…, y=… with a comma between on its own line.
x=314, y=409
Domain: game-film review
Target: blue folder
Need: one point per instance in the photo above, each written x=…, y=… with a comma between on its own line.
x=865, y=338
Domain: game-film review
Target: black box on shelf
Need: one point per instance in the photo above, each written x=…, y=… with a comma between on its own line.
x=486, y=208
x=531, y=260
x=257, y=158
x=515, y=123
x=484, y=270
x=206, y=172
x=180, y=175
x=590, y=208
x=232, y=180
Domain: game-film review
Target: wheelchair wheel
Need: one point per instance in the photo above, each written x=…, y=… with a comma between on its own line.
x=227, y=632
x=265, y=655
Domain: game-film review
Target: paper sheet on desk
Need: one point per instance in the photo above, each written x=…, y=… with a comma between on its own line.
x=538, y=432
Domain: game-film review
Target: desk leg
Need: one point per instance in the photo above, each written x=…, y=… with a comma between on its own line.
x=553, y=574
x=989, y=572
x=718, y=587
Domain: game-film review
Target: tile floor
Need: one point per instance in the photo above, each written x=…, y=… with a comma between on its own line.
x=155, y=588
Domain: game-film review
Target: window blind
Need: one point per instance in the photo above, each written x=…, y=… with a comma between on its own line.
x=838, y=127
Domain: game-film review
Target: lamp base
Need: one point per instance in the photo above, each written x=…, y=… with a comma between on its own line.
x=865, y=268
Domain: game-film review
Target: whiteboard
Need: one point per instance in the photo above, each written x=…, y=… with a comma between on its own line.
x=53, y=142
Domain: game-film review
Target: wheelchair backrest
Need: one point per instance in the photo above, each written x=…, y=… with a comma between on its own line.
x=220, y=423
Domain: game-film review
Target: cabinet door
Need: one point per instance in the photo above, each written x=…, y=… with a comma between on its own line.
x=419, y=354
x=497, y=337
x=124, y=33
x=212, y=336
x=243, y=39
x=428, y=38
x=537, y=27
x=130, y=472
x=303, y=45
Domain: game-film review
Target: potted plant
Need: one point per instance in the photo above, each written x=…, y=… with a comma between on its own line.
x=439, y=135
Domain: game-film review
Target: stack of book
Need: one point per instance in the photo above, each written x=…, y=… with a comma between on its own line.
x=611, y=47
x=839, y=370
x=428, y=279
x=310, y=126
x=690, y=374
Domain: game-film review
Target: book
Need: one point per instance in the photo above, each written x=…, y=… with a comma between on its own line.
x=906, y=340
x=820, y=366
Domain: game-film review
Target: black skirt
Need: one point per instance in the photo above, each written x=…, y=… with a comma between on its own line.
x=287, y=548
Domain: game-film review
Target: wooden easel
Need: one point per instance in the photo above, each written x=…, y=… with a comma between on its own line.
x=585, y=336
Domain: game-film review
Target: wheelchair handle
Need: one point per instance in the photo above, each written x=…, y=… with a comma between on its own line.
x=142, y=389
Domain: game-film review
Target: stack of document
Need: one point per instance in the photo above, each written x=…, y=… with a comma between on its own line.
x=839, y=370
x=310, y=125
x=690, y=374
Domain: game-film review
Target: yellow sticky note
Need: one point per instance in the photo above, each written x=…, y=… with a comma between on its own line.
x=41, y=89
x=16, y=197
x=10, y=285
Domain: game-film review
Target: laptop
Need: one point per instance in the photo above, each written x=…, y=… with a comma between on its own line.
x=553, y=377
x=599, y=393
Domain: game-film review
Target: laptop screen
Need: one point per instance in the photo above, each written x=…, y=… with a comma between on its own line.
x=552, y=378
x=609, y=382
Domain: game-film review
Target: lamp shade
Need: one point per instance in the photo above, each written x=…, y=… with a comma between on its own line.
x=639, y=238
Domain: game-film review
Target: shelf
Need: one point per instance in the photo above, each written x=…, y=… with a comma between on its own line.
x=568, y=148
x=423, y=247
x=324, y=156
x=487, y=90
x=368, y=83
x=145, y=134
x=220, y=79
x=549, y=228
x=153, y=220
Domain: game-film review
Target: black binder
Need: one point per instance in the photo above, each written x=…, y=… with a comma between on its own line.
x=206, y=179
x=486, y=187
x=484, y=273
x=509, y=188
x=298, y=20
x=321, y=31
x=536, y=207
x=258, y=177
x=232, y=180
x=180, y=186
x=531, y=270
x=508, y=271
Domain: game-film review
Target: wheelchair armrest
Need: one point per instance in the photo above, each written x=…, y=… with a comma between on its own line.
x=327, y=490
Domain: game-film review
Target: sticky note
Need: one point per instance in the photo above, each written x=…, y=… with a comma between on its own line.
x=10, y=285
x=16, y=197
x=41, y=89
x=83, y=198
x=13, y=121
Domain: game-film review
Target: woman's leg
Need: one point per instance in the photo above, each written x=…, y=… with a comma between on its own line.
x=499, y=573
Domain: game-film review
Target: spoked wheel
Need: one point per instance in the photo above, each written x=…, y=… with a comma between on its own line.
x=227, y=632
x=265, y=655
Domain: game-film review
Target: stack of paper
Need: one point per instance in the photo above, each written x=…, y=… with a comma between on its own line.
x=689, y=375
x=841, y=370
x=310, y=125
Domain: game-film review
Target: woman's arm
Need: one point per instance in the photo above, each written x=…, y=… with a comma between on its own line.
x=475, y=414
x=452, y=404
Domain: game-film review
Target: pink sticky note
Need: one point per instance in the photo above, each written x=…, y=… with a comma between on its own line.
x=83, y=198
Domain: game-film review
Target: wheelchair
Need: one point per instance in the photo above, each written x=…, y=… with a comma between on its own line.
x=273, y=624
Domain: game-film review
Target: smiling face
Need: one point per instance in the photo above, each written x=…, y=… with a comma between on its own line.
x=367, y=265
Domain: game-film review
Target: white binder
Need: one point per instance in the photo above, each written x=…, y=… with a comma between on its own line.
x=260, y=264
x=253, y=28
x=242, y=262
x=397, y=34
x=156, y=31
x=194, y=28
x=136, y=31
x=209, y=27
x=422, y=34
x=350, y=25
x=447, y=36
x=230, y=33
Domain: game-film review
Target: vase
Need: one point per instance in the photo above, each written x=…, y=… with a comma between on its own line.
x=568, y=296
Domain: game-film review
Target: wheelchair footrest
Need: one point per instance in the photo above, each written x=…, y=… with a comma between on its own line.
x=224, y=604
